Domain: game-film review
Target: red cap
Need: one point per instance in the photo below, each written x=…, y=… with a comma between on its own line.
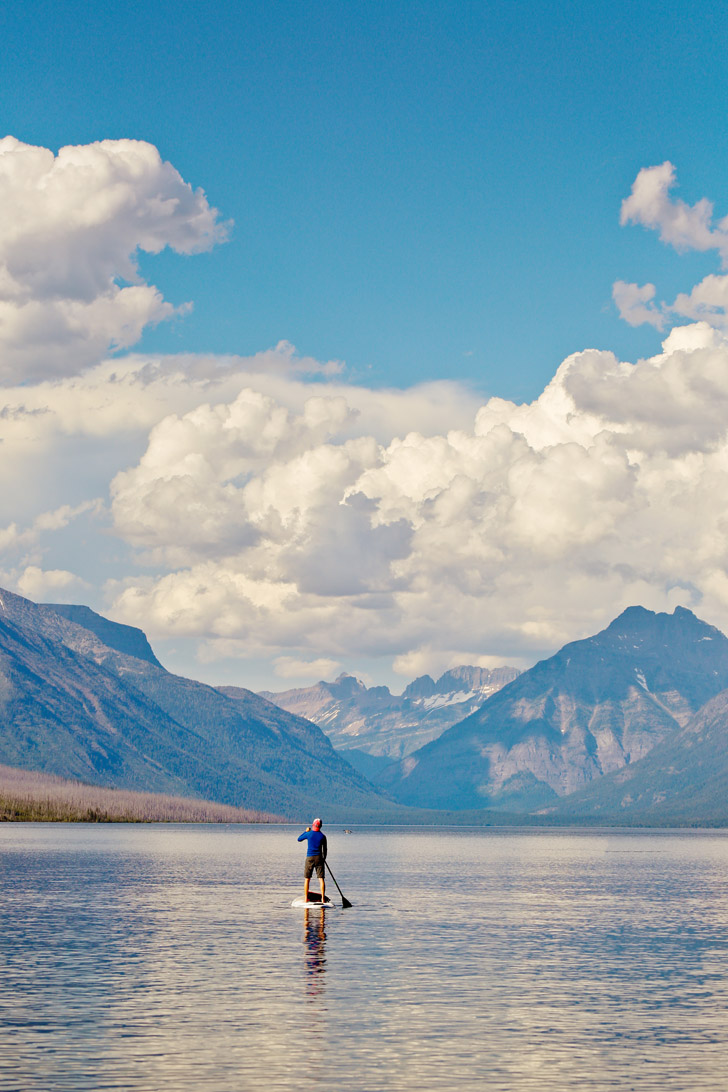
x=316, y=824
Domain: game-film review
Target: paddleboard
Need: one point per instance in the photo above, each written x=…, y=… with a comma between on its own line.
x=317, y=905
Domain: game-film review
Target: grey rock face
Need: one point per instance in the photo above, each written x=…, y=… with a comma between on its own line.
x=683, y=779
x=597, y=706
x=127, y=639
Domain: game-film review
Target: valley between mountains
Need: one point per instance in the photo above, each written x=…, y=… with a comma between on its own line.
x=628, y=726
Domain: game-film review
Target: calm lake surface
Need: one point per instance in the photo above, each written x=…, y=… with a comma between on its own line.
x=145, y=958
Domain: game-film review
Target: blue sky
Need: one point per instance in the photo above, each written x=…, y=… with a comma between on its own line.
x=419, y=189
x=430, y=193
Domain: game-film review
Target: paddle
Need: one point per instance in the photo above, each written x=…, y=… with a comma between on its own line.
x=345, y=904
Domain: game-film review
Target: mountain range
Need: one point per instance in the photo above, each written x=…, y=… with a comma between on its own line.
x=595, y=707
x=628, y=726
x=371, y=727
x=106, y=712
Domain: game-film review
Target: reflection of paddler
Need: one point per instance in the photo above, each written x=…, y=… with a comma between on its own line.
x=315, y=858
x=314, y=937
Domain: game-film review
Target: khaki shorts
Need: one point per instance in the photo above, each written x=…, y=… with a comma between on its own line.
x=311, y=863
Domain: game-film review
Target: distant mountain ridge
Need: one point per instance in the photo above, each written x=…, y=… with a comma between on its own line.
x=77, y=707
x=630, y=725
x=596, y=706
x=357, y=718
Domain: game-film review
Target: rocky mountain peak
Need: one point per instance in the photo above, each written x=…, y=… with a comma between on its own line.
x=422, y=687
x=465, y=677
x=640, y=622
x=345, y=686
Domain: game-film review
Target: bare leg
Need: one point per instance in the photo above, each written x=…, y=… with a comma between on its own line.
x=305, y=889
x=322, y=881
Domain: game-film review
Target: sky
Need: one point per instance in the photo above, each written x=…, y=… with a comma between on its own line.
x=363, y=337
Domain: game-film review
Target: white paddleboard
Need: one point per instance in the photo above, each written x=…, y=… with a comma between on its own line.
x=328, y=905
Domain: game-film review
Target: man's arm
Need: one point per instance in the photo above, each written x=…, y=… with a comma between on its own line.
x=324, y=848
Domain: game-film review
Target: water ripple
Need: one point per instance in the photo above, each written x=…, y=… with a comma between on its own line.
x=151, y=958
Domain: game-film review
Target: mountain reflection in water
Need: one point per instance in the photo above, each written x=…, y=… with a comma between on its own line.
x=155, y=958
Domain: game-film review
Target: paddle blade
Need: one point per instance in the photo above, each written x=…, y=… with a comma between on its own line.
x=345, y=904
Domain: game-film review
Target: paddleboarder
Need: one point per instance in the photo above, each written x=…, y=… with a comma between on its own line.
x=315, y=857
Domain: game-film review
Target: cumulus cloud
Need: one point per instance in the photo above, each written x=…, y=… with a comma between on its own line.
x=14, y=537
x=23, y=547
x=211, y=424
x=708, y=301
x=39, y=584
x=273, y=518
x=684, y=227
x=71, y=228
x=267, y=516
x=297, y=532
x=288, y=667
x=117, y=402
x=433, y=661
x=636, y=304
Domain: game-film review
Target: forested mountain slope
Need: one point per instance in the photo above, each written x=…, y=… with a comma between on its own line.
x=72, y=705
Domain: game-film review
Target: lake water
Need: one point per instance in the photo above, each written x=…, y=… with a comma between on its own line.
x=147, y=958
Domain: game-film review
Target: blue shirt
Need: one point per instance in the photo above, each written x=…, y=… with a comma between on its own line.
x=316, y=843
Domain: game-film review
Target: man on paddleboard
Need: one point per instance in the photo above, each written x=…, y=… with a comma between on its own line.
x=315, y=857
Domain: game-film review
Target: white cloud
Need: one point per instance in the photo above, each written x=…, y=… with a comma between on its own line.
x=110, y=409
x=287, y=667
x=635, y=304
x=301, y=534
x=63, y=441
x=685, y=227
x=267, y=516
x=280, y=519
x=39, y=584
x=71, y=228
x=708, y=300
x=435, y=661
x=23, y=548
x=14, y=538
